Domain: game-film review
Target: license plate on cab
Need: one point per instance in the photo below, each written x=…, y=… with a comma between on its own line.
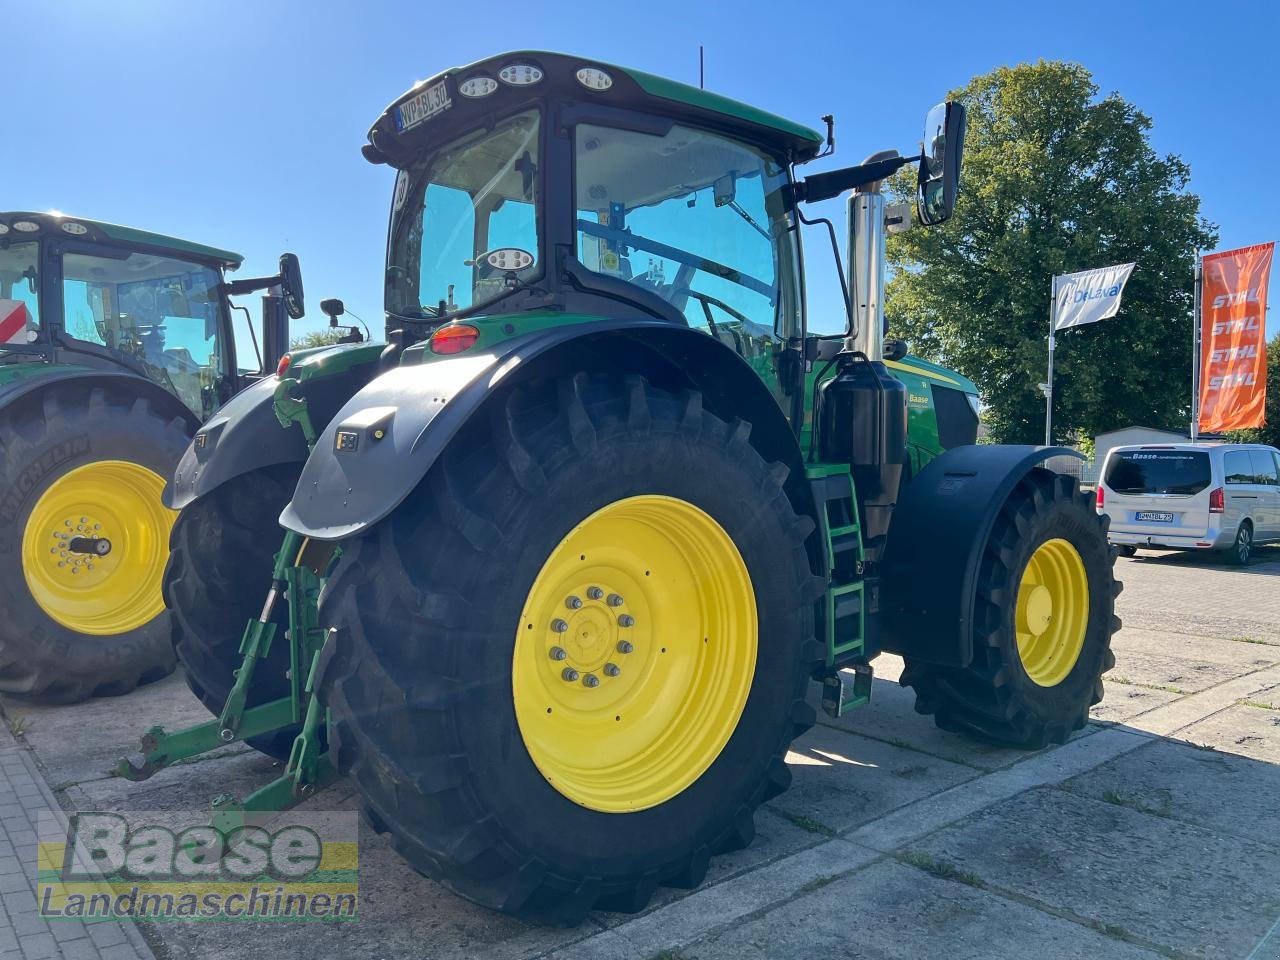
x=433, y=100
x=1153, y=516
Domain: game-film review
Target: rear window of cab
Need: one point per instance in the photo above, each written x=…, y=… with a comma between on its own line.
x=1135, y=472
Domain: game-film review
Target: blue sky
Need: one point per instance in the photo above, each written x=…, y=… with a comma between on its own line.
x=240, y=123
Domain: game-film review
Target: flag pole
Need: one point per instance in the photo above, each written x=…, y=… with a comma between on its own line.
x=1048, y=391
x=1195, y=350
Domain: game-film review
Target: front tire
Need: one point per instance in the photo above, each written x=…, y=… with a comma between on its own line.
x=1044, y=615
x=221, y=554
x=84, y=465
x=459, y=728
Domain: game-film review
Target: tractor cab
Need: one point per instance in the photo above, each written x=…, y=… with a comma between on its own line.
x=536, y=181
x=94, y=295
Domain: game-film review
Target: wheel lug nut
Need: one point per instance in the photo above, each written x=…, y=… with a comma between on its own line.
x=573, y=603
x=626, y=620
x=624, y=646
x=557, y=653
x=614, y=600
x=611, y=670
x=569, y=674
x=594, y=593
x=590, y=680
x=559, y=626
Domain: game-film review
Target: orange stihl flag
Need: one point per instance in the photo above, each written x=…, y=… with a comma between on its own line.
x=1233, y=354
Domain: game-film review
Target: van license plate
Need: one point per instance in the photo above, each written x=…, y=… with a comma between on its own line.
x=1153, y=516
x=433, y=100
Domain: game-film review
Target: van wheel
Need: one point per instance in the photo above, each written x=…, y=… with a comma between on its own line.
x=1242, y=549
x=1127, y=550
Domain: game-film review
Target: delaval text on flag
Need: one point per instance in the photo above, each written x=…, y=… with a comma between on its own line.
x=1089, y=296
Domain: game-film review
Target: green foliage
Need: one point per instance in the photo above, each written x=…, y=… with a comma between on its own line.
x=1270, y=432
x=317, y=338
x=1055, y=180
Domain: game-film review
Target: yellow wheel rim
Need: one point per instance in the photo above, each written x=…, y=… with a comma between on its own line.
x=1052, y=613
x=111, y=506
x=634, y=654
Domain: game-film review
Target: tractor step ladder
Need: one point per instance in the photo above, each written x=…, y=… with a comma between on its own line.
x=844, y=606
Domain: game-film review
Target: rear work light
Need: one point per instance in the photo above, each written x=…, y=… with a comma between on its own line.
x=1217, y=501
x=1102, y=497
x=454, y=338
x=283, y=365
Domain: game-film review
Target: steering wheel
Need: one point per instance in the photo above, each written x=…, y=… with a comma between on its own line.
x=708, y=302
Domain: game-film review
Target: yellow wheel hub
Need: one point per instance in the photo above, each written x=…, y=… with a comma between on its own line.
x=634, y=654
x=1052, y=614
x=95, y=546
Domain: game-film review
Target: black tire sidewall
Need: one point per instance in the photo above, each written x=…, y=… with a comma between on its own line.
x=1067, y=519
x=551, y=824
x=57, y=443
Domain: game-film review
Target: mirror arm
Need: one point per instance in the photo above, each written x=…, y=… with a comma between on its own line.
x=234, y=288
x=824, y=186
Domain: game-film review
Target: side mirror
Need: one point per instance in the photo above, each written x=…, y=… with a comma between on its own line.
x=333, y=308
x=939, y=180
x=894, y=349
x=291, y=285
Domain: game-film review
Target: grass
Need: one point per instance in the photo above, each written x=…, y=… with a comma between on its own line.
x=1120, y=800
x=17, y=725
x=808, y=823
x=1260, y=704
x=1250, y=640
x=942, y=869
x=1166, y=687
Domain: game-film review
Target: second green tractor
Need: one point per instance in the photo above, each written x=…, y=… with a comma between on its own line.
x=564, y=558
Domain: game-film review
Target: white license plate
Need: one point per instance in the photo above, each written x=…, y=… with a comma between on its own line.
x=1153, y=516
x=433, y=100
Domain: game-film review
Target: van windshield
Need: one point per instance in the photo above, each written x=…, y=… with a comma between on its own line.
x=1159, y=471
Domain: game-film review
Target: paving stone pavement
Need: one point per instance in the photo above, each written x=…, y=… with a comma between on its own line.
x=24, y=934
x=1151, y=833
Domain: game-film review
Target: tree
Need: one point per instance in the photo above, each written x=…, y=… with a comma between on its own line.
x=318, y=338
x=1055, y=180
x=1270, y=432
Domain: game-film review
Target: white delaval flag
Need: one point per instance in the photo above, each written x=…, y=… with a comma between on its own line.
x=1089, y=296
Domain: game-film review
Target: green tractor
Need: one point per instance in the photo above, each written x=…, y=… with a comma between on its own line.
x=115, y=344
x=562, y=560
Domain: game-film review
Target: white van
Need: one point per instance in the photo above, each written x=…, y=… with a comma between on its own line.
x=1192, y=496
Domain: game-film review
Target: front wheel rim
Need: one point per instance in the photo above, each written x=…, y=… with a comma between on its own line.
x=1051, y=616
x=634, y=654
x=101, y=595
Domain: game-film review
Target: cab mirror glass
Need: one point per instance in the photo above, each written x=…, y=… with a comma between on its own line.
x=291, y=285
x=939, y=179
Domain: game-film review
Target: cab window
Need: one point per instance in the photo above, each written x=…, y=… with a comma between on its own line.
x=159, y=310
x=19, y=287
x=697, y=219
x=474, y=196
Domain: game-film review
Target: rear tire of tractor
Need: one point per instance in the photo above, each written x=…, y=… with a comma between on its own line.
x=221, y=555
x=995, y=698
x=422, y=679
x=69, y=632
